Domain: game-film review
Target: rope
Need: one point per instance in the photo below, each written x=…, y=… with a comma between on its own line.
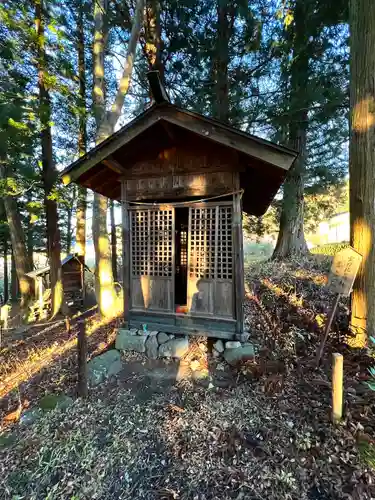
x=182, y=203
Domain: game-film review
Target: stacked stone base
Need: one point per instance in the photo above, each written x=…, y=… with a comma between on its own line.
x=153, y=344
x=161, y=345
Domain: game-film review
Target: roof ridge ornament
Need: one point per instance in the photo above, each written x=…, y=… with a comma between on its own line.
x=158, y=91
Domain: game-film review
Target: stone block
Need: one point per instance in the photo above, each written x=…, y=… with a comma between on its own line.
x=239, y=354
x=219, y=346
x=232, y=344
x=126, y=342
x=104, y=366
x=152, y=347
x=175, y=348
x=163, y=338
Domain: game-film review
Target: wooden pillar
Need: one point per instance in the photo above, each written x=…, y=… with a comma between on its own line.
x=82, y=359
x=239, y=285
x=125, y=249
x=39, y=284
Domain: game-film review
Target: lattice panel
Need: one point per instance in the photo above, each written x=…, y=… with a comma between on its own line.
x=211, y=248
x=152, y=242
x=202, y=242
x=224, y=244
x=183, y=252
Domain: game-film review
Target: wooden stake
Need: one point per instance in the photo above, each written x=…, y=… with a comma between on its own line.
x=337, y=386
x=82, y=359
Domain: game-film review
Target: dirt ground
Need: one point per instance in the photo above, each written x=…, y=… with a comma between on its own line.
x=259, y=430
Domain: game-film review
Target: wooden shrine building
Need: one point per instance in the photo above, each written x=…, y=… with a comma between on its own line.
x=72, y=269
x=183, y=180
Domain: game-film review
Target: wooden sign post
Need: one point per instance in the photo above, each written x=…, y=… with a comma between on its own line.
x=341, y=278
x=337, y=386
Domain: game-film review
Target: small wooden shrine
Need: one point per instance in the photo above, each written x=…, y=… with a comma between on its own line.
x=183, y=180
x=72, y=268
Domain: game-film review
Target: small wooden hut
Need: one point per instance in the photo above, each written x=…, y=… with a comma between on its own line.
x=72, y=268
x=183, y=180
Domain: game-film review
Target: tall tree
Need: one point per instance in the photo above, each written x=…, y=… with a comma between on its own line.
x=49, y=173
x=362, y=162
x=313, y=77
x=5, y=273
x=291, y=239
x=105, y=122
x=82, y=131
x=151, y=42
x=225, y=23
x=22, y=261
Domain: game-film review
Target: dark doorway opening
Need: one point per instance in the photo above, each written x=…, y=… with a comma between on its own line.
x=181, y=246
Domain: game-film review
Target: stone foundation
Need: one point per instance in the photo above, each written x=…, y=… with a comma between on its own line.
x=162, y=345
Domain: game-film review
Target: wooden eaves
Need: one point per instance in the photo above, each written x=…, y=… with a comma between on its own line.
x=262, y=164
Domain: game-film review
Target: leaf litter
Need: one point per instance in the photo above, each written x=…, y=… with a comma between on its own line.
x=268, y=437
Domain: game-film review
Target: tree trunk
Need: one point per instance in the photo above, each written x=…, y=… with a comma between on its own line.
x=153, y=44
x=29, y=232
x=362, y=163
x=69, y=224
x=225, y=21
x=291, y=239
x=113, y=240
x=6, y=277
x=104, y=285
x=14, y=282
x=22, y=261
x=82, y=135
x=49, y=170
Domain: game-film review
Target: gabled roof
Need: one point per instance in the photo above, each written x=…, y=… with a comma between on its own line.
x=44, y=270
x=263, y=164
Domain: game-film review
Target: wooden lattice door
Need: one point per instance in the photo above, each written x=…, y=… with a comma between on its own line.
x=210, y=269
x=152, y=259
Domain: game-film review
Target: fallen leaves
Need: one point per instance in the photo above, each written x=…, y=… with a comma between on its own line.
x=269, y=436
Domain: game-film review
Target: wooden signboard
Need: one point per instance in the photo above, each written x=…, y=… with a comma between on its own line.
x=344, y=270
x=341, y=278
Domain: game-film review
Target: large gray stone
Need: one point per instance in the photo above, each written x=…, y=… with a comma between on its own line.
x=163, y=337
x=152, y=347
x=219, y=346
x=176, y=348
x=126, y=342
x=104, y=366
x=232, y=344
x=239, y=354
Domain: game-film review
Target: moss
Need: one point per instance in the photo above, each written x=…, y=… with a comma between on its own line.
x=7, y=440
x=367, y=453
x=329, y=248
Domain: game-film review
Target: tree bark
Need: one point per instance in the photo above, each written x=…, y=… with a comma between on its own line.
x=49, y=172
x=6, y=277
x=104, y=283
x=29, y=232
x=13, y=279
x=22, y=261
x=362, y=163
x=153, y=44
x=80, y=246
x=225, y=22
x=113, y=240
x=69, y=224
x=291, y=239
